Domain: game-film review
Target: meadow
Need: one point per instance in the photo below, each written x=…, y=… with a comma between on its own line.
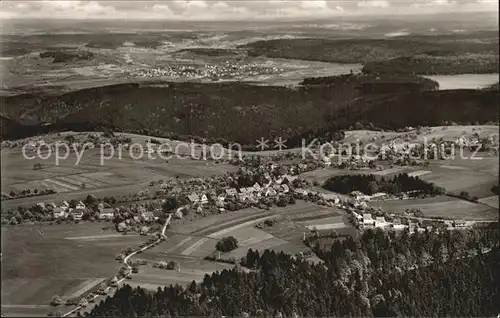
x=66, y=260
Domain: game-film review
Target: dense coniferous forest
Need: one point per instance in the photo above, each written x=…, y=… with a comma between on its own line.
x=452, y=273
x=369, y=184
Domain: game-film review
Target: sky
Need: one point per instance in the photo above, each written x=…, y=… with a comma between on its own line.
x=219, y=10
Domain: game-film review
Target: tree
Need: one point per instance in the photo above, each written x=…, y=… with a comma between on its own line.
x=171, y=204
x=281, y=202
x=227, y=244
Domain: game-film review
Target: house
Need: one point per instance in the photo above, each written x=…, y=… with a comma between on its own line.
x=256, y=186
x=221, y=198
x=59, y=212
x=357, y=218
x=270, y=192
x=231, y=192
x=330, y=197
x=65, y=205
x=288, y=178
x=147, y=216
x=80, y=205
x=285, y=188
x=77, y=213
x=459, y=223
x=193, y=198
x=179, y=213
x=380, y=222
x=361, y=205
x=368, y=221
x=396, y=221
x=277, y=187
x=359, y=195
x=41, y=205
x=204, y=199
x=106, y=213
x=326, y=161
x=378, y=196
x=300, y=191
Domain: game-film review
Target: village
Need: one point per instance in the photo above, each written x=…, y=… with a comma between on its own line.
x=213, y=72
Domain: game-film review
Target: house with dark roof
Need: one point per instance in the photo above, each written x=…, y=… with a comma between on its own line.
x=193, y=198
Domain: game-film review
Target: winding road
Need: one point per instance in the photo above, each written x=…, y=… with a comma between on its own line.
x=125, y=261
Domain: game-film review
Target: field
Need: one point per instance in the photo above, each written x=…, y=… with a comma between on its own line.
x=445, y=207
x=120, y=175
x=41, y=261
x=190, y=241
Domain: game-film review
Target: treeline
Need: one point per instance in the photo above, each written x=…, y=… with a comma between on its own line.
x=436, y=65
x=369, y=184
x=377, y=83
x=217, y=112
x=424, y=274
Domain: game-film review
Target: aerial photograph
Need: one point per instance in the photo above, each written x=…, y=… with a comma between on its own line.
x=249, y=158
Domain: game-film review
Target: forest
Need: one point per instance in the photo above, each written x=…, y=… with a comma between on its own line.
x=369, y=184
x=451, y=273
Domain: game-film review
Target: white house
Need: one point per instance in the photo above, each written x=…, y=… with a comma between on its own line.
x=459, y=223
x=290, y=178
x=204, y=199
x=368, y=221
x=256, y=186
x=358, y=195
x=285, y=188
x=106, y=213
x=381, y=222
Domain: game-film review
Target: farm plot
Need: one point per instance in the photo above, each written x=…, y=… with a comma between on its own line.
x=39, y=261
x=475, y=183
x=445, y=207
x=490, y=201
x=240, y=252
x=325, y=224
x=190, y=269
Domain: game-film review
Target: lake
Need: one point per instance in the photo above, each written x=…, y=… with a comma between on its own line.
x=464, y=81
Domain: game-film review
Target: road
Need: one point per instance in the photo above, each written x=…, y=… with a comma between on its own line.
x=125, y=261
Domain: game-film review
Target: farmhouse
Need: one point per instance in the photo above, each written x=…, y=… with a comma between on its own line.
x=106, y=213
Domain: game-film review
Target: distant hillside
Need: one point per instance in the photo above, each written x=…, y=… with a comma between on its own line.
x=427, y=55
x=435, y=65
x=244, y=113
